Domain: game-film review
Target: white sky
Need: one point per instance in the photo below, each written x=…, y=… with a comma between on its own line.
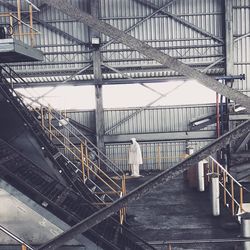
x=118, y=96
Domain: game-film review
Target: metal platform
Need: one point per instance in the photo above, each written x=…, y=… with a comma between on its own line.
x=12, y=50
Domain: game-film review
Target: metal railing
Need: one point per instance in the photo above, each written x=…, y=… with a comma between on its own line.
x=232, y=190
x=24, y=246
x=158, y=159
x=81, y=148
x=94, y=165
x=14, y=19
x=217, y=242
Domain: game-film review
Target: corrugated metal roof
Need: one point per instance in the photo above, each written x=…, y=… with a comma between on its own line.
x=164, y=30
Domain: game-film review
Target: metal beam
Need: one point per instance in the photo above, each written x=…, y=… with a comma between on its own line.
x=148, y=51
x=141, y=21
x=77, y=73
x=229, y=40
x=60, y=32
x=142, y=108
x=153, y=6
x=96, y=57
x=241, y=37
x=143, y=189
x=171, y=136
x=125, y=75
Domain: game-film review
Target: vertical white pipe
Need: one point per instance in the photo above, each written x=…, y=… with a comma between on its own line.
x=245, y=229
x=215, y=195
x=201, y=177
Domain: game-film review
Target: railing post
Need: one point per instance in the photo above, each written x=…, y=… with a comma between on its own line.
x=24, y=247
x=212, y=166
x=225, y=187
x=11, y=25
x=19, y=16
x=158, y=158
x=232, y=194
x=31, y=25
x=42, y=117
x=208, y=169
x=123, y=192
x=87, y=157
x=241, y=199
x=49, y=120
x=82, y=162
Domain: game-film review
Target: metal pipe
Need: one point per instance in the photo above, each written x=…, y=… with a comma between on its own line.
x=82, y=162
x=241, y=199
x=225, y=187
x=31, y=26
x=201, y=178
x=215, y=194
x=217, y=115
x=19, y=17
x=245, y=228
x=232, y=196
x=6, y=231
x=197, y=241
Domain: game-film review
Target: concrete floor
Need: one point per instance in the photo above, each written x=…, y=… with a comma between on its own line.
x=177, y=212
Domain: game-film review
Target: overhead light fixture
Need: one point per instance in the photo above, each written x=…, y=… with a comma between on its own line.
x=95, y=41
x=200, y=122
x=239, y=108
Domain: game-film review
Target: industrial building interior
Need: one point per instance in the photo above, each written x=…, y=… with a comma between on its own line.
x=65, y=173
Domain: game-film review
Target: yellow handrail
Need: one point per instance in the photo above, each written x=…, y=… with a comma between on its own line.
x=228, y=178
x=83, y=158
x=98, y=176
x=21, y=25
x=24, y=247
x=77, y=149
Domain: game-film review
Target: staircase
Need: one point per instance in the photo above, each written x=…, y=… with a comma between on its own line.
x=99, y=174
x=64, y=202
x=84, y=192
x=234, y=195
x=92, y=175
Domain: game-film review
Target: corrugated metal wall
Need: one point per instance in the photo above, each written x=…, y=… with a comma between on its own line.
x=155, y=119
x=84, y=117
x=150, y=120
x=162, y=31
x=241, y=20
x=157, y=155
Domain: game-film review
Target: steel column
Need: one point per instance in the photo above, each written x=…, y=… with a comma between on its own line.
x=229, y=40
x=149, y=51
x=165, y=176
x=99, y=111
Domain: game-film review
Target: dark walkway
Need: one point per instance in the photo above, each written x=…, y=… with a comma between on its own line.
x=177, y=212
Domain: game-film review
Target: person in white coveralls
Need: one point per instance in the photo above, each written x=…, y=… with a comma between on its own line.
x=134, y=157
